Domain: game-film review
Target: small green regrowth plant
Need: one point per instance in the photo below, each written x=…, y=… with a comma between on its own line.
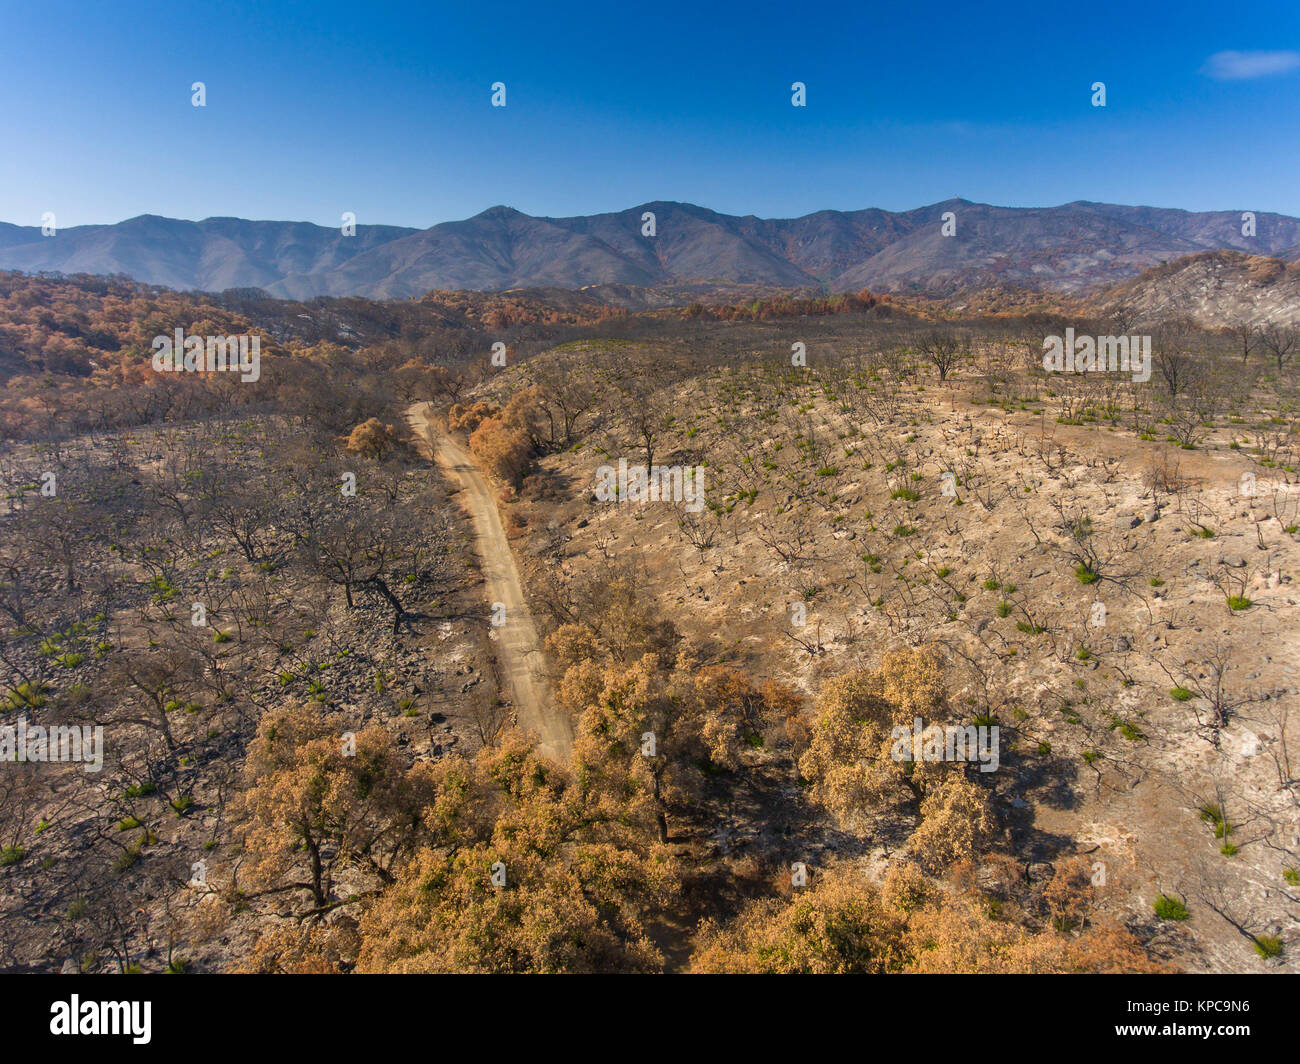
x=1268, y=946
x=1168, y=908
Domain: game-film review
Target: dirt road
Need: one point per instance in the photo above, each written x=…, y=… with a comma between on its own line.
x=518, y=648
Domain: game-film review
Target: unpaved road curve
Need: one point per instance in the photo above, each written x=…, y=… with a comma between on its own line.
x=519, y=650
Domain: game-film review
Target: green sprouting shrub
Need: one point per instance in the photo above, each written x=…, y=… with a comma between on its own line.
x=1168, y=908
x=1268, y=946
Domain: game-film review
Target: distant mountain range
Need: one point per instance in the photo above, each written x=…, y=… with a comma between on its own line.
x=1076, y=248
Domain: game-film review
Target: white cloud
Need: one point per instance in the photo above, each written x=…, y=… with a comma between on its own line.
x=1242, y=66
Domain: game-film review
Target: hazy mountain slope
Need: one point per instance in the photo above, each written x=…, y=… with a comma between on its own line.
x=1274, y=233
x=1065, y=248
x=500, y=248
x=1075, y=248
x=11, y=235
x=213, y=254
x=829, y=243
x=693, y=243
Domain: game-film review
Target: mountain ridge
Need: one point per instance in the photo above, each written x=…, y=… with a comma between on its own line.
x=1074, y=248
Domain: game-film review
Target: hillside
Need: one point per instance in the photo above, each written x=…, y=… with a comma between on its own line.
x=1075, y=247
x=1213, y=288
x=234, y=581
x=1101, y=591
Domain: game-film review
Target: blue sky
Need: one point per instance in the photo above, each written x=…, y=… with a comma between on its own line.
x=384, y=109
